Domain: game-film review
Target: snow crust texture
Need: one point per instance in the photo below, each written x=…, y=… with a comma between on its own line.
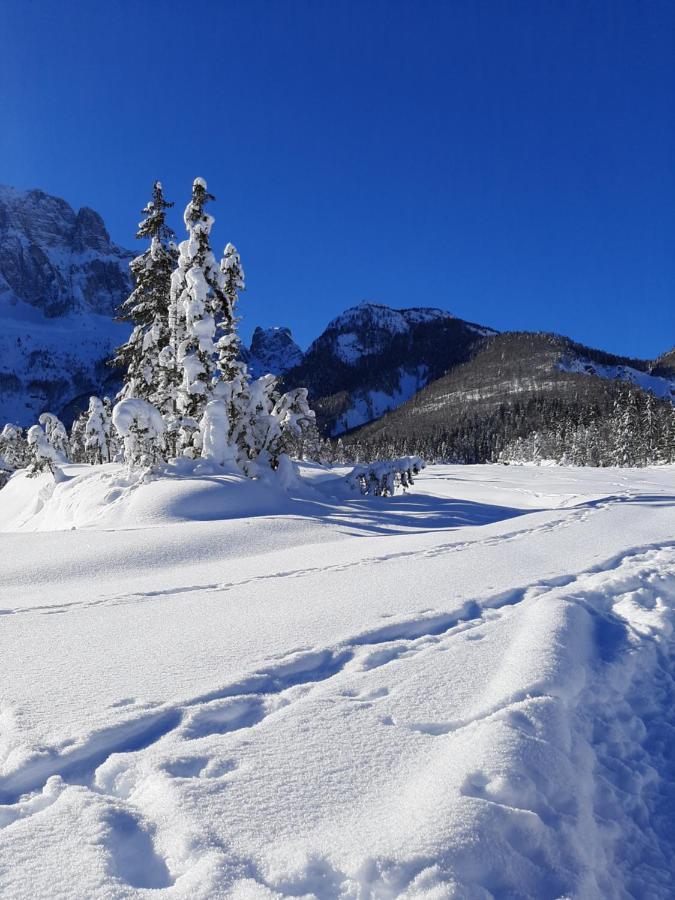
x=465, y=692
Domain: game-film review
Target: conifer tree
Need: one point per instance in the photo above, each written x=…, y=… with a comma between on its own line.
x=14, y=450
x=56, y=433
x=150, y=371
x=99, y=439
x=197, y=302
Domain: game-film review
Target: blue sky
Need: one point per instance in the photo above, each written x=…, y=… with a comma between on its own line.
x=512, y=162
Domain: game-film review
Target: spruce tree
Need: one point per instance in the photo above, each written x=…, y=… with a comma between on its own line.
x=99, y=439
x=150, y=372
x=197, y=302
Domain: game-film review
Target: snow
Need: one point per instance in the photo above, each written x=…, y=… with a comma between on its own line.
x=213, y=687
x=366, y=329
x=368, y=405
x=661, y=387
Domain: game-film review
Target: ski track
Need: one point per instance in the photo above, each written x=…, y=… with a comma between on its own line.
x=570, y=517
x=246, y=703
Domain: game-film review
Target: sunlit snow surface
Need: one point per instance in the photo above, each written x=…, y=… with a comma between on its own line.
x=213, y=689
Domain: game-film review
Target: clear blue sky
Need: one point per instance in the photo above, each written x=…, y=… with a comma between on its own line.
x=513, y=162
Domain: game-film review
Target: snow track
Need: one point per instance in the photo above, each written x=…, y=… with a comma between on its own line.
x=506, y=742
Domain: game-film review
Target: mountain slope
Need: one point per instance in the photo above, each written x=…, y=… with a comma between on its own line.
x=513, y=384
x=372, y=358
x=61, y=279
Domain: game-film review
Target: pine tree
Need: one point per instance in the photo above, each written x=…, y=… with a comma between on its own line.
x=150, y=371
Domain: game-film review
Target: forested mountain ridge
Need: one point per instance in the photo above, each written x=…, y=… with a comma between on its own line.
x=543, y=388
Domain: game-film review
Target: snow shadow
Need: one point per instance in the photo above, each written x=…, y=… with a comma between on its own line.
x=404, y=513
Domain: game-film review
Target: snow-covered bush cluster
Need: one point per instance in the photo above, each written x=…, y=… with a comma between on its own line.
x=186, y=392
x=384, y=478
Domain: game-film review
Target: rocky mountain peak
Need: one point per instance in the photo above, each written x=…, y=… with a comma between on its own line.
x=273, y=350
x=56, y=260
x=90, y=232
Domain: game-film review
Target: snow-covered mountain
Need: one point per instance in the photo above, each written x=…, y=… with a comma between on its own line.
x=372, y=358
x=514, y=384
x=272, y=350
x=61, y=279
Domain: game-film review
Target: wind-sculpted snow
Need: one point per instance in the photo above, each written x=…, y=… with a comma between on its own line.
x=347, y=698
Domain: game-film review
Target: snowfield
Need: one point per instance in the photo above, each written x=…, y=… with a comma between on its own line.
x=213, y=688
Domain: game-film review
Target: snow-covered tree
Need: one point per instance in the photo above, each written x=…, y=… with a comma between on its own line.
x=99, y=440
x=270, y=422
x=215, y=429
x=76, y=442
x=150, y=366
x=228, y=344
x=56, y=433
x=45, y=458
x=197, y=302
x=14, y=450
x=141, y=427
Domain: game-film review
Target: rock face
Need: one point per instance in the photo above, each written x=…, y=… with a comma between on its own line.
x=61, y=280
x=273, y=350
x=56, y=260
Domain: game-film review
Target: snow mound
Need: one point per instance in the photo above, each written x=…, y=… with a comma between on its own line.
x=111, y=497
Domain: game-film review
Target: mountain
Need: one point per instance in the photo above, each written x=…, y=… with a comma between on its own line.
x=515, y=383
x=372, y=358
x=272, y=350
x=61, y=279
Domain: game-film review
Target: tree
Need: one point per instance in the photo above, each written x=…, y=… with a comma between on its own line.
x=142, y=428
x=44, y=457
x=197, y=302
x=228, y=344
x=14, y=450
x=150, y=369
x=56, y=433
x=76, y=443
x=99, y=441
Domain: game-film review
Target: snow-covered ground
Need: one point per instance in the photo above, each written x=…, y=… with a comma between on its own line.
x=214, y=690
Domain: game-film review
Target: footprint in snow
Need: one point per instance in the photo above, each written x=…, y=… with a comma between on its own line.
x=133, y=858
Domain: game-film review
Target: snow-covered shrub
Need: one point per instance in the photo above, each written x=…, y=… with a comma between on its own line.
x=142, y=428
x=56, y=433
x=44, y=457
x=384, y=478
